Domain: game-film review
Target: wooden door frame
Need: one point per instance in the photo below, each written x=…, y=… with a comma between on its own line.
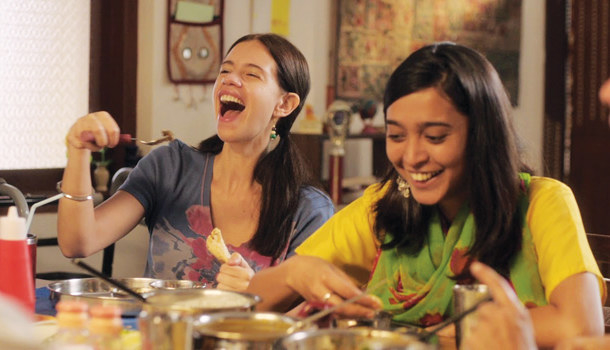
x=555, y=102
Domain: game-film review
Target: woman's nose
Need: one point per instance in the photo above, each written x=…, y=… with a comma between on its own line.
x=414, y=154
x=231, y=79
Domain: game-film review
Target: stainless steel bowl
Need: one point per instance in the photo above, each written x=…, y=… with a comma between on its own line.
x=95, y=291
x=240, y=330
x=177, y=284
x=166, y=320
x=350, y=339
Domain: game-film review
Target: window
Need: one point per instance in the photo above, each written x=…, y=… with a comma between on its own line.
x=44, y=79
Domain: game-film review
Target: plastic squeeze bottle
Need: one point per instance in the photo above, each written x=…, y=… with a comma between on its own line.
x=16, y=278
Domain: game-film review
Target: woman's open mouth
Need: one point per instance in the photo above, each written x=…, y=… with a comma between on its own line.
x=425, y=177
x=230, y=103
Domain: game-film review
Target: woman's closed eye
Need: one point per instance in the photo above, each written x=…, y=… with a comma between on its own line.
x=253, y=75
x=396, y=137
x=436, y=138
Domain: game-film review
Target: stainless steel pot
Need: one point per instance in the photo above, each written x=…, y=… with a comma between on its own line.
x=166, y=320
x=240, y=330
x=95, y=291
x=351, y=339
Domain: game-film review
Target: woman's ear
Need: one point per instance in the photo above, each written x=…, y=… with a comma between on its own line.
x=287, y=104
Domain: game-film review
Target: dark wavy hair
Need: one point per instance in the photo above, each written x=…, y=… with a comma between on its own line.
x=492, y=157
x=281, y=172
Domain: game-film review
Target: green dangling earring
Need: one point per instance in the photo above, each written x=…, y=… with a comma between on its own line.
x=273, y=135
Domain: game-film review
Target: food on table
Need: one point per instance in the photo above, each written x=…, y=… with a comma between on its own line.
x=216, y=245
x=212, y=301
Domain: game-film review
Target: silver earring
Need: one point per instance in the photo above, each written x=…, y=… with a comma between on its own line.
x=403, y=187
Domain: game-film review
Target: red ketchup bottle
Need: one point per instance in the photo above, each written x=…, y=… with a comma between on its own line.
x=16, y=278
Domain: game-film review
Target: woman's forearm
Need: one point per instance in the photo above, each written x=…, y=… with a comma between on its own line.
x=272, y=286
x=574, y=310
x=75, y=219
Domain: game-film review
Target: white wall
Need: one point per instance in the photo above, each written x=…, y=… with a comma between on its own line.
x=130, y=252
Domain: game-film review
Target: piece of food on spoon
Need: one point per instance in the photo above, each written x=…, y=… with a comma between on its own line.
x=216, y=245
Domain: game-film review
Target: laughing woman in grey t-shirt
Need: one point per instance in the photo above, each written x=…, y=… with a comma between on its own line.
x=248, y=179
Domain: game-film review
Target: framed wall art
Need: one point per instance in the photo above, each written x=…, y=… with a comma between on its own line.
x=374, y=36
x=194, y=40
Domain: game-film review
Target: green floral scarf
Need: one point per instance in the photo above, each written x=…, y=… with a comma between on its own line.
x=419, y=288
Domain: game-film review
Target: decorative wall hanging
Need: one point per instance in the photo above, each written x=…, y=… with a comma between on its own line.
x=194, y=40
x=375, y=36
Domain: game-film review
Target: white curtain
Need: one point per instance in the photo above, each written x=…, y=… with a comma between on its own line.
x=44, y=79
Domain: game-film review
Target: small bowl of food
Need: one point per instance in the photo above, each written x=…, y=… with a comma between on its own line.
x=240, y=330
x=177, y=284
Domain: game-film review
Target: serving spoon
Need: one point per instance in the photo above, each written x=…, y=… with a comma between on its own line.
x=101, y=275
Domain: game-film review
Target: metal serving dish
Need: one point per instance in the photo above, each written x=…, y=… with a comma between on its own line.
x=166, y=320
x=95, y=291
x=351, y=339
x=240, y=330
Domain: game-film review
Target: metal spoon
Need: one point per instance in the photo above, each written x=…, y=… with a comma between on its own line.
x=117, y=284
x=87, y=136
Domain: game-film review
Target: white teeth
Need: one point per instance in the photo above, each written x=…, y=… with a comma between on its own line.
x=423, y=176
x=229, y=98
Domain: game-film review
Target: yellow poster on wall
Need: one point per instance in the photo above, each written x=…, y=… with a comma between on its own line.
x=280, y=17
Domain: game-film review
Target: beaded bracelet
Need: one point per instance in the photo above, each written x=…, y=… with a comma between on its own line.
x=74, y=198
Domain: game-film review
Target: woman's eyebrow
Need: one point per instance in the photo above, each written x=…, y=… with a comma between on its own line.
x=255, y=66
x=248, y=65
x=432, y=124
x=392, y=122
x=422, y=125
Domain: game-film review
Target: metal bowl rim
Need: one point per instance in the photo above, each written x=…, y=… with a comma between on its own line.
x=200, y=322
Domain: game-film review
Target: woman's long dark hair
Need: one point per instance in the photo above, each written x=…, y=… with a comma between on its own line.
x=280, y=172
x=492, y=159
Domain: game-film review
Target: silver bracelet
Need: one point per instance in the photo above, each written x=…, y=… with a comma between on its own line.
x=74, y=198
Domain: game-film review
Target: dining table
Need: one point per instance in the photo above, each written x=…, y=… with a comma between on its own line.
x=45, y=309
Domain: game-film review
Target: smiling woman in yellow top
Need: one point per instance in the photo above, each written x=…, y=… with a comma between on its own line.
x=457, y=192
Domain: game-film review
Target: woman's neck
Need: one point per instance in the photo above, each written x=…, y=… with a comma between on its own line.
x=234, y=171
